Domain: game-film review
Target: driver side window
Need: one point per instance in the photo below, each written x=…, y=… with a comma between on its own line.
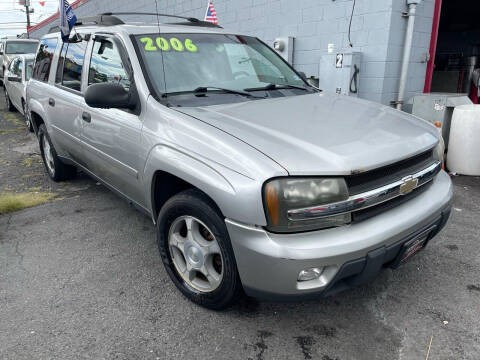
x=106, y=65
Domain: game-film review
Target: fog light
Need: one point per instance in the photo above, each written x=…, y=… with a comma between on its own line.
x=310, y=274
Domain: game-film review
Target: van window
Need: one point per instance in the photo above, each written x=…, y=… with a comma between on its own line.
x=43, y=60
x=73, y=64
x=21, y=47
x=106, y=65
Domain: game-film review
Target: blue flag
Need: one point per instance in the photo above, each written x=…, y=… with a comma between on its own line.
x=67, y=19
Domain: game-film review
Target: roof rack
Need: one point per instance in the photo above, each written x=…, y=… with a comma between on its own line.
x=191, y=21
x=200, y=23
x=102, y=19
x=105, y=20
x=109, y=19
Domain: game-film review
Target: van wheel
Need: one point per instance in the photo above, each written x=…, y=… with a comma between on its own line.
x=196, y=251
x=56, y=169
x=10, y=106
x=26, y=116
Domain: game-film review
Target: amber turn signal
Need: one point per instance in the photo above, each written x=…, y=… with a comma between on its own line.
x=273, y=205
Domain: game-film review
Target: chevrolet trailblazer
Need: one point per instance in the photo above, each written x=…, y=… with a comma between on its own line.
x=256, y=181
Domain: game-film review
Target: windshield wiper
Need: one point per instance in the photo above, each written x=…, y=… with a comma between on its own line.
x=277, y=87
x=204, y=89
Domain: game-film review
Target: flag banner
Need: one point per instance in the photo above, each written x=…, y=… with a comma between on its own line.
x=67, y=19
x=211, y=14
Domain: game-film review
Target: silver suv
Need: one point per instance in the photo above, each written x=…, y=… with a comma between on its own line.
x=256, y=181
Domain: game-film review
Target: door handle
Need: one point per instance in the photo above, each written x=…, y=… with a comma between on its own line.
x=51, y=102
x=86, y=117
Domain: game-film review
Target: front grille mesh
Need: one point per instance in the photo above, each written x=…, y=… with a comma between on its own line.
x=385, y=175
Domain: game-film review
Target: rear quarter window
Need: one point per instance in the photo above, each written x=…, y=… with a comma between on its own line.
x=43, y=60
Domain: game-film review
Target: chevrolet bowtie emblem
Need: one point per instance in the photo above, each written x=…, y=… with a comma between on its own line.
x=409, y=183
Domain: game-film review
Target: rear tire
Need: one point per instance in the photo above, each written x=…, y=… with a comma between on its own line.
x=221, y=286
x=56, y=169
x=10, y=106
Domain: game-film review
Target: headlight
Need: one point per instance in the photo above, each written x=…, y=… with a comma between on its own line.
x=283, y=195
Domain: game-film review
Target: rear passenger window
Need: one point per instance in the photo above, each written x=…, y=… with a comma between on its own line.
x=73, y=64
x=61, y=60
x=106, y=65
x=43, y=60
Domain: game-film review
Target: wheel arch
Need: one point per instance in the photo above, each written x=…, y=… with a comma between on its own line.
x=37, y=114
x=169, y=171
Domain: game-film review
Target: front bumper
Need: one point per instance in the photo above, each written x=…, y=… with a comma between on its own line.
x=269, y=263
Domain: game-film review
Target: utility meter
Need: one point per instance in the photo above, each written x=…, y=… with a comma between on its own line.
x=284, y=47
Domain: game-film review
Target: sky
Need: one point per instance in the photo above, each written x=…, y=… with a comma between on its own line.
x=13, y=21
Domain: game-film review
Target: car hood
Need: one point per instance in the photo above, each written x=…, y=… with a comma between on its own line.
x=322, y=133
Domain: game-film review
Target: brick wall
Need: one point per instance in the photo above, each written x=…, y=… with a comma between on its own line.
x=377, y=31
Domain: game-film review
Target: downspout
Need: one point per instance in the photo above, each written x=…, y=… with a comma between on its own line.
x=407, y=48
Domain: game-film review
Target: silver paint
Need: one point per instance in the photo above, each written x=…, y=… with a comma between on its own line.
x=229, y=151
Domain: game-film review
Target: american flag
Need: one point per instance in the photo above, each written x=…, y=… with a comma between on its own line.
x=211, y=14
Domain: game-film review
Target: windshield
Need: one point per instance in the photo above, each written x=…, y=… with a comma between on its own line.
x=21, y=47
x=28, y=69
x=208, y=61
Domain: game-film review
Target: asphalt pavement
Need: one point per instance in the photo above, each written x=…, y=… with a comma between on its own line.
x=81, y=278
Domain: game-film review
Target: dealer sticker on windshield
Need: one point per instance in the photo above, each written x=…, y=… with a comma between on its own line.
x=167, y=44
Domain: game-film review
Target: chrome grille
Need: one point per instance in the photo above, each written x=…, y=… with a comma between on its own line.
x=370, y=198
x=385, y=175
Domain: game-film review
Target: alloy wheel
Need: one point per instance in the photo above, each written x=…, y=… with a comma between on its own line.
x=195, y=254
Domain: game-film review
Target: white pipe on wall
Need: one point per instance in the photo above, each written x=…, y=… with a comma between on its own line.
x=407, y=48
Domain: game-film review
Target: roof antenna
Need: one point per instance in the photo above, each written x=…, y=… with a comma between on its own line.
x=161, y=51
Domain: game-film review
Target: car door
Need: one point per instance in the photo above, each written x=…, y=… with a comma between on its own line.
x=16, y=94
x=111, y=137
x=65, y=100
x=12, y=80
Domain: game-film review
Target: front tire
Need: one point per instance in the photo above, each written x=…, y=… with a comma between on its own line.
x=196, y=250
x=56, y=169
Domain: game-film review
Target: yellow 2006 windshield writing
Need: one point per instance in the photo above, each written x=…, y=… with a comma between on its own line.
x=163, y=44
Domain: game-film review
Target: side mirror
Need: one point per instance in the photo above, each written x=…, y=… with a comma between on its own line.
x=108, y=95
x=14, y=78
x=1, y=52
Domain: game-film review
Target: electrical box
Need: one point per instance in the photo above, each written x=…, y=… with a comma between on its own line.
x=438, y=108
x=284, y=47
x=340, y=72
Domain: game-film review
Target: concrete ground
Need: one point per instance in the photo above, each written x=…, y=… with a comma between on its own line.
x=80, y=278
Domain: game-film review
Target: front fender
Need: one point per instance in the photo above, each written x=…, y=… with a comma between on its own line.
x=237, y=196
